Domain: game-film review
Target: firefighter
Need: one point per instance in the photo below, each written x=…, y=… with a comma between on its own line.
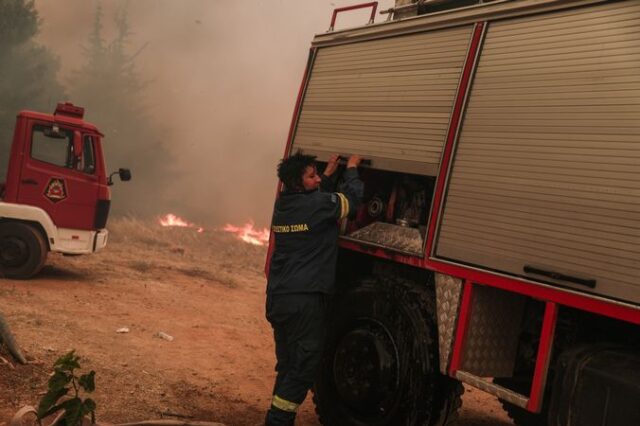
x=302, y=271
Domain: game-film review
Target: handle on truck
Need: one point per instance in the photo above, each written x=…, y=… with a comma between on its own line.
x=364, y=162
x=559, y=276
x=373, y=5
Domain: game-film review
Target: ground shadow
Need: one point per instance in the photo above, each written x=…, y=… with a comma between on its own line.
x=54, y=272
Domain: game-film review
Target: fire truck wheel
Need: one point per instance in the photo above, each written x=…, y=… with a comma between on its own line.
x=23, y=250
x=380, y=365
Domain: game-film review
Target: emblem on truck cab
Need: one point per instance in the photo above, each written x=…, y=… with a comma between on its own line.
x=56, y=190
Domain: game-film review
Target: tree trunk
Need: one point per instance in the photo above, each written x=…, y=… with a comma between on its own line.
x=10, y=342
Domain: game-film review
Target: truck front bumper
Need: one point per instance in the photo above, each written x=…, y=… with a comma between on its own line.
x=74, y=241
x=101, y=238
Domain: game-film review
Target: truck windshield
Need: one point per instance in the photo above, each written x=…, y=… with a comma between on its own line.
x=56, y=147
x=52, y=147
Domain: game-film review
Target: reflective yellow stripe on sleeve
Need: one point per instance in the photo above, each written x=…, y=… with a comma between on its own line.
x=344, y=205
x=284, y=405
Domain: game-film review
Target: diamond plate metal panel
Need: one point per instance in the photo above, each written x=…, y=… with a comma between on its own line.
x=448, y=294
x=492, y=337
x=392, y=236
x=492, y=388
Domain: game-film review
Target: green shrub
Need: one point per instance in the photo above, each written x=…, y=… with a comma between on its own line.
x=64, y=392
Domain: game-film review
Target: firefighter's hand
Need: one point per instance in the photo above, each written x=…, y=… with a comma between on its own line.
x=354, y=161
x=332, y=165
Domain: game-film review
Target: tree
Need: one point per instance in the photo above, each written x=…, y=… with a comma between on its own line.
x=28, y=71
x=110, y=88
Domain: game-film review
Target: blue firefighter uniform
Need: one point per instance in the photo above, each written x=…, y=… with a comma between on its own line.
x=301, y=281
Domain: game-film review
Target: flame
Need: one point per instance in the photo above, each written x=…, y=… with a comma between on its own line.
x=249, y=234
x=173, y=220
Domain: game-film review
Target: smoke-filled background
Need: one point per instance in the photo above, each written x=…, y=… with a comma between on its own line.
x=195, y=96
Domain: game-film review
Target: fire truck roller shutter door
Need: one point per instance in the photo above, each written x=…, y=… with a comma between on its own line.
x=545, y=180
x=389, y=100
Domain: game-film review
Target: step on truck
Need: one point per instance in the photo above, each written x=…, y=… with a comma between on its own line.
x=56, y=195
x=499, y=242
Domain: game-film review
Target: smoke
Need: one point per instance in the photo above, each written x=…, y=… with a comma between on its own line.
x=223, y=79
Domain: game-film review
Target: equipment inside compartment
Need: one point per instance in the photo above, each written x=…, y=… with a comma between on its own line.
x=394, y=213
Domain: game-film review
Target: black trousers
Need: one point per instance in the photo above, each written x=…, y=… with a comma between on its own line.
x=299, y=329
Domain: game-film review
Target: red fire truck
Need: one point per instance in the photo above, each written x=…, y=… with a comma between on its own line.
x=499, y=242
x=56, y=196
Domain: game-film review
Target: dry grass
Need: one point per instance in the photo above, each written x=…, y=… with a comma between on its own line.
x=213, y=255
x=150, y=251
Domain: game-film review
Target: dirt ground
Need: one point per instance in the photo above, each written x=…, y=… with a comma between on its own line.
x=205, y=290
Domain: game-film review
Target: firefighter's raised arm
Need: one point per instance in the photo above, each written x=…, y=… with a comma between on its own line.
x=328, y=182
x=332, y=165
x=351, y=189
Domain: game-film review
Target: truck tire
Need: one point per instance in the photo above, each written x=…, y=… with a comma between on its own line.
x=380, y=365
x=23, y=250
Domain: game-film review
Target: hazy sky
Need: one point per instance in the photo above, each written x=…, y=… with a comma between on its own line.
x=224, y=77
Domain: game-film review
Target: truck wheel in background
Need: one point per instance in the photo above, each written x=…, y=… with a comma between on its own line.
x=380, y=365
x=23, y=250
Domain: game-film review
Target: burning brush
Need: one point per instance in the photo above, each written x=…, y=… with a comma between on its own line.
x=247, y=232
x=173, y=220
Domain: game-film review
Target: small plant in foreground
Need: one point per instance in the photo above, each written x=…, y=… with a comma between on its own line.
x=63, y=381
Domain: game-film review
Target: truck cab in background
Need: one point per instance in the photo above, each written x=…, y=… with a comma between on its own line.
x=56, y=195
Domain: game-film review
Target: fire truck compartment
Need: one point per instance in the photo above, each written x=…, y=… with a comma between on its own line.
x=394, y=213
x=544, y=183
x=389, y=100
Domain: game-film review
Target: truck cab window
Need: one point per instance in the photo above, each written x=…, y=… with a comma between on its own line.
x=87, y=163
x=52, y=145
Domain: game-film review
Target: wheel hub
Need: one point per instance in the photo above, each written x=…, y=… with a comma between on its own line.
x=366, y=368
x=13, y=252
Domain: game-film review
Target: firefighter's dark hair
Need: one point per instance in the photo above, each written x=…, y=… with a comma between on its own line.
x=291, y=170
